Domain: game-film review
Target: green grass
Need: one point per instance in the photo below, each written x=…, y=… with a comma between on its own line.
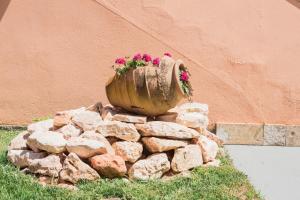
x=224, y=182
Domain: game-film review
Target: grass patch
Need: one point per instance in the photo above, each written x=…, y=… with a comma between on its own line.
x=224, y=182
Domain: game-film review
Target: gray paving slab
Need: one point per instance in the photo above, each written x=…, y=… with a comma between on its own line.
x=273, y=170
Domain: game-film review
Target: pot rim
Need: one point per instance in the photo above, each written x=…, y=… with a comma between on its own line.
x=176, y=72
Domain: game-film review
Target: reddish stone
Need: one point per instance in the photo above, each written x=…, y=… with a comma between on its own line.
x=109, y=165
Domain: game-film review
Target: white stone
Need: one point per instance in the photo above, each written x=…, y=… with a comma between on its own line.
x=166, y=129
x=208, y=147
x=187, y=158
x=274, y=134
x=108, y=111
x=41, y=126
x=155, y=145
x=192, y=120
x=92, y=135
x=193, y=107
x=49, y=141
x=87, y=120
x=69, y=131
x=19, y=142
x=152, y=167
x=85, y=148
x=213, y=163
x=75, y=170
x=124, y=131
x=129, y=151
x=129, y=118
x=213, y=137
x=49, y=166
x=23, y=158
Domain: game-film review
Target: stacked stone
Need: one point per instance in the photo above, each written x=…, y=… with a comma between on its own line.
x=89, y=143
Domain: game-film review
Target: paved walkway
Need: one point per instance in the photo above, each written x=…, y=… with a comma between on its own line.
x=274, y=171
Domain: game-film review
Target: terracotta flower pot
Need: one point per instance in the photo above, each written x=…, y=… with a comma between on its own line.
x=147, y=90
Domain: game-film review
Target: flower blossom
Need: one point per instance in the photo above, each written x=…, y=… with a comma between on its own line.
x=167, y=54
x=156, y=62
x=147, y=57
x=184, y=76
x=120, y=61
x=137, y=57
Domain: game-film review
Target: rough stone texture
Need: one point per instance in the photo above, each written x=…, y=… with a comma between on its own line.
x=41, y=126
x=61, y=119
x=192, y=120
x=108, y=111
x=129, y=151
x=48, y=166
x=193, y=107
x=130, y=118
x=23, y=158
x=292, y=135
x=109, y=165
x=85, y=148
x=213, y=137
x=92, y=135
x=87, y=120
x=166, y=129
x=69, y=131
x=274, y=134
x=120, y=130
x=74, y=170
x=241, y=133
x=167, y=117
x=152, y=167
x=187, y=158
x=213, y=163
x=281, y=135
x=208, y=147
x=19, y=142
x=155, y=145
x=49, y=141
x=97, y=107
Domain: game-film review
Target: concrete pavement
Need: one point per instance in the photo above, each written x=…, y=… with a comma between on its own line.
x=273, y=170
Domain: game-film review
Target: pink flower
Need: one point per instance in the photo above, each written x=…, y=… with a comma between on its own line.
x=156, y=62
x=167, y=54
x=120, y=61
x=184, y=76
x=147, y=57
x=137, y=57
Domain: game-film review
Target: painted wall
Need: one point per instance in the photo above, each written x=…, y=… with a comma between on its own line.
x=244, y=55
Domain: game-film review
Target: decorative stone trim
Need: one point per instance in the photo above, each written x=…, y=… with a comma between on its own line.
x=259, y=134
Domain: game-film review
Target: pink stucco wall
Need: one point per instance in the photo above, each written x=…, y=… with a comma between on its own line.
x=244, y=55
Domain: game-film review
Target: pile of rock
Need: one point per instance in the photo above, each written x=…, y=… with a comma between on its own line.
x=86, y=143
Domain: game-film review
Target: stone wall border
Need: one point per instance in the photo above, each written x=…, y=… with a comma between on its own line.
x=259, y=134
x=13, y=127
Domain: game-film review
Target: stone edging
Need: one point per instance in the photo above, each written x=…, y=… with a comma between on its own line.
x=13, y=127
x=259, y=134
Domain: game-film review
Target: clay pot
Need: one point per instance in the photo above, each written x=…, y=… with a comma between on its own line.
x=147, y=90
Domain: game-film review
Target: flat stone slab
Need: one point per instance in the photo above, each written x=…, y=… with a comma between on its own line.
x=241, y=133
x=282, y=135
x=259, y=134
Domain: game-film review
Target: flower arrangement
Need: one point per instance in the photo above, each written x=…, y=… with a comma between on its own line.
x=184, y=76
x=124, y=64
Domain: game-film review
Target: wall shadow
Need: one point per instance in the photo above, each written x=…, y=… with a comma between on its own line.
x=295, y=3
x=3, y=7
